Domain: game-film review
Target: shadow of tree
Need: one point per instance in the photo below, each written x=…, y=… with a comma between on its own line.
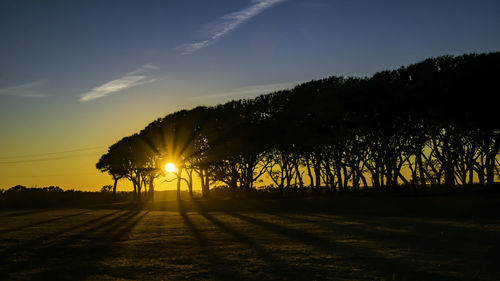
x=86, y=248
x=24, y=212
x=383, y=266
x=43, y=239
x=273, y=262
x=219, y=266
x=43, y=222
x=425, y=243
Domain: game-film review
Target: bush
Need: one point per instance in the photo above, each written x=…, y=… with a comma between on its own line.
x=53, y=196
x=106, y=188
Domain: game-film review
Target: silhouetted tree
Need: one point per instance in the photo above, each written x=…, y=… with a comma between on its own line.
x=430, y=123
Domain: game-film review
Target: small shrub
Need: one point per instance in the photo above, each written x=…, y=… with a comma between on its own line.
x=106, y=188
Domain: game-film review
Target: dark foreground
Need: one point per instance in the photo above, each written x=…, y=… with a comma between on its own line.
x=370, y=239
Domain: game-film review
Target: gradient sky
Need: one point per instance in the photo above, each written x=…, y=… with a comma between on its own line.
x=77, y=76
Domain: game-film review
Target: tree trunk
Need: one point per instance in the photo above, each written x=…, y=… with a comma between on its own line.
x=491, y=160
x=206, y=193
x=317, y=173
x=339, y=175
x=363, y=179
x=422, y=175
x=470, y=165
x=490, y=170
x=152, y=190
x=190, y=185
x=179, y=177
x=204, y=182
x=309, y=172
x=114, y=188
x=449, y=174
x=346, y=178
x=298, y=174
x=330, y=182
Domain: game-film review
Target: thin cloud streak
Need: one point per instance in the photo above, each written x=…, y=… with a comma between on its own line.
x=26, y=90
x=131, y=79
x=228, y=23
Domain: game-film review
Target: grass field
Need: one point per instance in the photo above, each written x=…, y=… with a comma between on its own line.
x=415, y=239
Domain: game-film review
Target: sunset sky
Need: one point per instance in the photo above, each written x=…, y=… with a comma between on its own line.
x=77, y=76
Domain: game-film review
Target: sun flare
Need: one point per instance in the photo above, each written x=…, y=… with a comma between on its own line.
x=170, y=168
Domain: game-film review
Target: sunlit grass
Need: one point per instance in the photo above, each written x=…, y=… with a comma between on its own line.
x=191, y=241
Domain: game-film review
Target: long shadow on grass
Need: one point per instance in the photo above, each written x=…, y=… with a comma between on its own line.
x=43, y=239
x=220, y=268
x=439, y=243
x=28, y=250
x=43, y=222
x=24, y=212
x=421, y=235
x=94, y=249
x=382, y=265
x=275, y=263
x=76, y=256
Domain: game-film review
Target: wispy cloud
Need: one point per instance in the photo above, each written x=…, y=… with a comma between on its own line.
x=26, y=90
x=228, y=23
x=132, y=79
x=246, y=92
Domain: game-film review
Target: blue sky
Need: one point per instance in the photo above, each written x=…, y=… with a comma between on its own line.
x=82, y=74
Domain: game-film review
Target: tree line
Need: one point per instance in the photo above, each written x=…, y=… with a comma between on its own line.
x=20, y=196
x=431, y=123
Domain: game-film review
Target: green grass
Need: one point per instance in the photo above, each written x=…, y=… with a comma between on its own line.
x=327, y=239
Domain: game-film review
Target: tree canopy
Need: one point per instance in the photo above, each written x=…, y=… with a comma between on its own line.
x=430, y=123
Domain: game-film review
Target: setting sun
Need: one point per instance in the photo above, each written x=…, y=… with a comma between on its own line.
x=170, y=168
x=286, y=139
